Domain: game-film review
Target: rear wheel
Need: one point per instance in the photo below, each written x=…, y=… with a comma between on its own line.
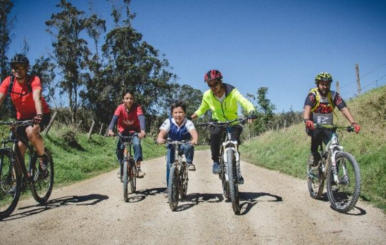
x=233, y=187
x=344, y=193
x=315, y=180
x=125, y=179
x=183, y=180
x=173, y=188
x=42, y=182
x=133, y=175
x=10, y=183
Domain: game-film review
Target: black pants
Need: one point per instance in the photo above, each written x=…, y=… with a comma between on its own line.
x=318, y=136
x=216, y=133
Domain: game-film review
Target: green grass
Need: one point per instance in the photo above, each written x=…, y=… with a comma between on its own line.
x=287, y=150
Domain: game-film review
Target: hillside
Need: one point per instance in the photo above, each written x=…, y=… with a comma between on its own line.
x=287, y=150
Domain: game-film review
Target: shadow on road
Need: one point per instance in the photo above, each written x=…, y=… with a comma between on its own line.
x=252, y=198
x=87, y=200
x=141, y=195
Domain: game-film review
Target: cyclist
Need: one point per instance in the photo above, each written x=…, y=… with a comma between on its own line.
x=129, y=119
x=178, y=127
x=25, y=92
x=318, y=108
x=222, y=99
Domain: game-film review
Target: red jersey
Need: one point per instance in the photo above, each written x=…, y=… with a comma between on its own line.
x=128, y=120
x=22, y=97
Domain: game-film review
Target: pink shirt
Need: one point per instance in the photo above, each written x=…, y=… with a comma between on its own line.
x=128, y=120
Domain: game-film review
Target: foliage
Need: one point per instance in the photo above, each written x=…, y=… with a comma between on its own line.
x=5, y=38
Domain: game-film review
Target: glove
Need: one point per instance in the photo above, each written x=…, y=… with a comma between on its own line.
x=356, y=127
x=309, y=124
x=37, y=119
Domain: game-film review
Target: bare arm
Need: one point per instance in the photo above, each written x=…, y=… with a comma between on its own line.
x=38, y=102
x=161, y=136
x=2, y=97
x=307, y=113
x=346, y=112
x=194, y=135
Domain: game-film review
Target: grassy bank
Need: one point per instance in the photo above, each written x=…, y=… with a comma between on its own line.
x=287, y=150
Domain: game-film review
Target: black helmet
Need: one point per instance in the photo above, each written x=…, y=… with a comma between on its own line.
x=20, y=59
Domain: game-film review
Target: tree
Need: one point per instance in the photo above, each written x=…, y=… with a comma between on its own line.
x=132, y=64
x=71, y=50
x=44, y=69
x=6, y=23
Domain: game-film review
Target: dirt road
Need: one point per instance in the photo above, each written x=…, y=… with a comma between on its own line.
x=276, y=209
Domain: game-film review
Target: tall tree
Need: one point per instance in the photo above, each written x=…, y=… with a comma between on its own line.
x=6, y=23
x=70, y=50
x=265, y=110
x=134, y=64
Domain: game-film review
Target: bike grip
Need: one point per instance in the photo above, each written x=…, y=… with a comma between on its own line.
x=350, y=129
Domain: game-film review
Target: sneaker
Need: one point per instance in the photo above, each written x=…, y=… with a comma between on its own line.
x=216, y=168
x=12, y=190
x=191, y=167
x=241, y=179
x=140, y=173
x=42, y=163
x=43, y=174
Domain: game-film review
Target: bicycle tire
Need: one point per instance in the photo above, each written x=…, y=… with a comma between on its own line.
x=133, y=176
x=224, y=182
x=184, y=179
x=41, y=188
x=173, y=188
x=8, y=201
x=125, y=180
x=344, y=195
x=233, y=187
x=315, y=180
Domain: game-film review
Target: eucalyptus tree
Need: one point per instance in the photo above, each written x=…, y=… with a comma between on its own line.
x=134, y=64
x=6, y=23
x=71, y=50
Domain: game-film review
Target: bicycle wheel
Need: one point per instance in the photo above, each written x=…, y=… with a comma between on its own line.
x=233, y=187
x=10, y=183
x=315, y=180
x=41, y=186
x=183, y=180
x=173, y=188
x=344, y=194
x=133, y=175
x=125, y=179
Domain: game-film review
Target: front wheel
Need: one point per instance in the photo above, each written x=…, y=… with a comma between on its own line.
x=344, y=193
x=173, y=188
x=183, y=180
x=125, y=179
x=42, y=182
x=10, y=183
x=233, y=187
x=133, y=175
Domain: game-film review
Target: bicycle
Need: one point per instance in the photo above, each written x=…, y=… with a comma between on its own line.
x=339, y=169
x=178, y=175
x=230, y=174
x=15, y=177
x=128, y=167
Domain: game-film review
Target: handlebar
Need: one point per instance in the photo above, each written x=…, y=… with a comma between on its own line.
x=174, y=142
x=334, y=127
x=17, y=124
x=226, y=123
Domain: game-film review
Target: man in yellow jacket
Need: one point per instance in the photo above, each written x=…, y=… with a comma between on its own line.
x=222, y=99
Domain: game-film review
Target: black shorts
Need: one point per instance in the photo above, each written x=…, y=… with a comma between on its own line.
x=45, y=121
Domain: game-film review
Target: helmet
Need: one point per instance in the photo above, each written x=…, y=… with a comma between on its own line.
x=20, y=59
x=323, y=76
x=211, y=75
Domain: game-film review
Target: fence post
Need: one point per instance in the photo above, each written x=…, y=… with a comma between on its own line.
x=92, y=127
x=358, y=79
x=78, y=126
x=50, y=124
x=100, y=131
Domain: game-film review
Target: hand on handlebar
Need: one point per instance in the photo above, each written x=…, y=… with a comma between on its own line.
x=111, y=133
x=356, y=127
x=37, y=119
x=309, y=124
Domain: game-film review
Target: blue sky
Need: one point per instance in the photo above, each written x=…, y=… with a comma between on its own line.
x=279, y=44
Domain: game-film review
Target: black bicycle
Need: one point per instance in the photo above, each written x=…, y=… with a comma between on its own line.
x=339, y=169
x=128, y=166
x=15, y=177
x=230, y=174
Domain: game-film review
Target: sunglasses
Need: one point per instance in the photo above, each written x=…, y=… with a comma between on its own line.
x=18, y=68
x=214, y=84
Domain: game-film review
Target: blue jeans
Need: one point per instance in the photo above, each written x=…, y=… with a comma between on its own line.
x=136, y=147
x=187, y=150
